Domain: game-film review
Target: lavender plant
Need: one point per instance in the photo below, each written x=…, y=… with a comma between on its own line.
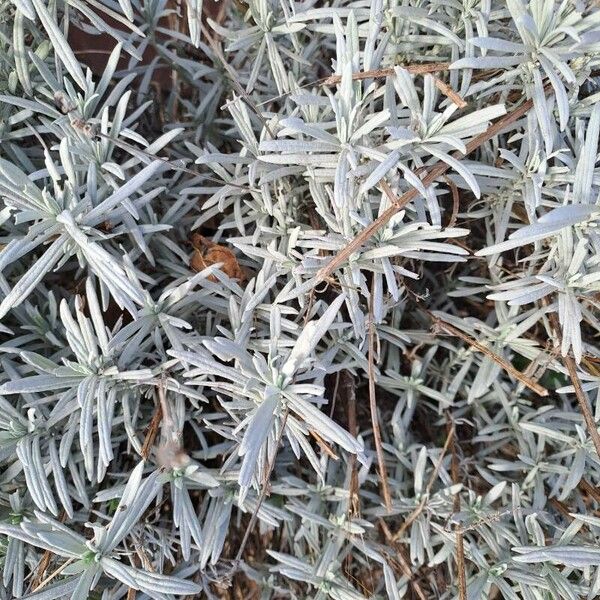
x=299, y=299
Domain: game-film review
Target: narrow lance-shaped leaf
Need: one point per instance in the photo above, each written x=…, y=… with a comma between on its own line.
x=310, y=336
x=60, y=44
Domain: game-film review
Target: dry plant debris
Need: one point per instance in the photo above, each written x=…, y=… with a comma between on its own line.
x=207, y=253
x=299, y=299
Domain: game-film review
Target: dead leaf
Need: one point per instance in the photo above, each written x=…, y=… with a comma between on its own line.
x=207, y=253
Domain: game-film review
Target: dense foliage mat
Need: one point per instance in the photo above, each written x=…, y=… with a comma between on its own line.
x=299, y=299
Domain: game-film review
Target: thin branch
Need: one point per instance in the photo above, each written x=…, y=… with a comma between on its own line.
x=415, y=69
x=262, y=496
x=584, y=405
x=385, y=489
x=587, y=487
x=508, y=367
x=460, y=566
x=460, y=545
x=42, y=568
x=405, y=567
x=421, y=506
x=569, y=362
x=449, y=93
x=45, y=560
x=379, y=73
x=455, y=201
x=53, y=575
x=152, y=431
x=562, y=509
x=325, y=447
x=347, y=384
x=439, y=169
x=487, y=520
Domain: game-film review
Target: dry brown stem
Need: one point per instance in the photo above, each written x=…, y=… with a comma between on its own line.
x=454, y=331
x=431, y=175
x=421, y=506
x=263, y=494
x=45, y=560
x=348, y=387
x=455, y=201
x=54, y=574
x=403, y=563
x=584, y=405
x=151, y=433
x=585, y=486
x=460, y=546
x=385, y=489
x=450, y=93
x=379, y=73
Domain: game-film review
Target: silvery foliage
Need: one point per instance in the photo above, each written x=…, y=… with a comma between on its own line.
x=109, y=335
